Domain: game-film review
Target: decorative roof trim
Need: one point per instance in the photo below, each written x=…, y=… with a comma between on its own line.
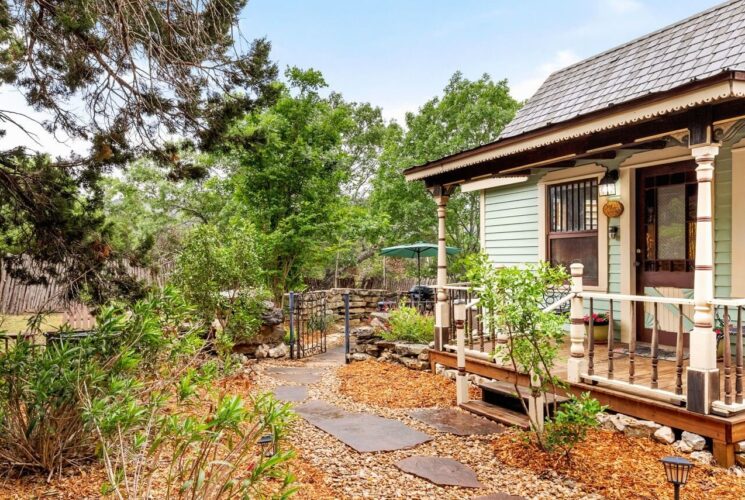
x=643, y=112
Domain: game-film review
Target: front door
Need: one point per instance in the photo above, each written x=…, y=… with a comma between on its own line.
x=666, y=244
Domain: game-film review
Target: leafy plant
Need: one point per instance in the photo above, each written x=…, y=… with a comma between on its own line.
x=408, y=325
x=321, y=322
x=571, y=423
x=42, y=388
x=512, y=300
x=599, y=319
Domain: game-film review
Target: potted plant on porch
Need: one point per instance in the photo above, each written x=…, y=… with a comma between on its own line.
x=599, y=326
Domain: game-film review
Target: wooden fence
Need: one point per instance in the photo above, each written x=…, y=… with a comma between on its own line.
x=17, y=297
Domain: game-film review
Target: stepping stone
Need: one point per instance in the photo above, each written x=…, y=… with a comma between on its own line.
x=291, y=393
x=456, y=422
x=361, y=431
x=440, y=471
x=335, y=354
x=297, y=375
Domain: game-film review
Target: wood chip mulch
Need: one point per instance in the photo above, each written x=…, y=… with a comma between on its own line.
x=394, y=386
x=618, y=467
x=76, y=483
x=310, y=481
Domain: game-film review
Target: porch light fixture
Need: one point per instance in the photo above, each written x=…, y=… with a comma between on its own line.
x=267, y=445
x=676, y=471
x=607, y=186
x=612, y=232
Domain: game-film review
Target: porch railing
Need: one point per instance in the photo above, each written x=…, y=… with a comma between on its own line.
x=729, y=315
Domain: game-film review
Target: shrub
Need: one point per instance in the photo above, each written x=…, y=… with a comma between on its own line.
x=571, y=423
x=42, y=389
x=512, y=300
x=408, y=325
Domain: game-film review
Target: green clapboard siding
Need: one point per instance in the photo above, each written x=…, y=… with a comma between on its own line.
x=723, y=223
x=511, y=223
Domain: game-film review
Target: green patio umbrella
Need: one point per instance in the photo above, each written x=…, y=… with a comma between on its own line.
x=416, y=251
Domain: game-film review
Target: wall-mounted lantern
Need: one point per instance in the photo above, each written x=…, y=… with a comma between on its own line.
x=607, y=186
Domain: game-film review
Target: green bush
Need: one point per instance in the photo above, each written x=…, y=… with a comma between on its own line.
x=408, y=325
x=42, y=389
x=571, y=423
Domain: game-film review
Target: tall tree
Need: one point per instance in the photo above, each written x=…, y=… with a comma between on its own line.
x=469, y=114
x=290, y=169
x=141, y=70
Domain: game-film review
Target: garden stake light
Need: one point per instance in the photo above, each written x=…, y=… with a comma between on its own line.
x=267, y=445
x=676, y=471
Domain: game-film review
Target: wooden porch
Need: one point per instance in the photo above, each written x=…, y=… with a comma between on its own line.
x=724, y=432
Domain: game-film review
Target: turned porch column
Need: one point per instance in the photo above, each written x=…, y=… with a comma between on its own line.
x=703, y=374
x=441, y=195
x=576, y=361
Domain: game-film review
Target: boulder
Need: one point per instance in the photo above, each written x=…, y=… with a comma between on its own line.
x=378, y=325
x=606, y=421
x=664, y=435
x=696, y=442
x=410, y=349
x=272, y=315
x=359, y=356
x=279, y=351
x=363, y=333
x=262, y=351
x=424, y=356
x=451, y=374
x=439, y=369
x=383, y=317
x=682, y=446
x=372, y=349
x=740, y=447
x=740, y=459
x=414, y=364
x=703, y=457
x=641, y=428
x=620, y=421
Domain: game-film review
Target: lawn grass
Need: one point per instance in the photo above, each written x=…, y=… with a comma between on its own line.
x=19, y=322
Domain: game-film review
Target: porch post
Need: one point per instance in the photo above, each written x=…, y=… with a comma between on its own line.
x=703, y=374
x=575, y=363
x=442, y=311
x=461, y=383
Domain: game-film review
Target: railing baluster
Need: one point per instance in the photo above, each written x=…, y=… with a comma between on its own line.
x=679, y=353
x=611, y=335
x=655, y=341
x=727, y=358
x=591, y=343
x=481, y=328
x=632, y=345
x=738, y=356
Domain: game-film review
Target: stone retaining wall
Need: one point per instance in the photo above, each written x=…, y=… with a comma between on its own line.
x=362, y=303
x=366, y=344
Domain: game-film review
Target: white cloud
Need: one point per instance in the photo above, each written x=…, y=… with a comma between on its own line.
x=523, y=89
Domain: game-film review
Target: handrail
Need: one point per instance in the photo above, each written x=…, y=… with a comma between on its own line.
x=728, y=302
x=560, y=302
x=636, y=298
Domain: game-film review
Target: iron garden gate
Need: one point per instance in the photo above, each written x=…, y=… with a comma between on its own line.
x=310, y=320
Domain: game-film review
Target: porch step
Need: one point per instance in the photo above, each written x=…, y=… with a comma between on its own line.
x=497, y=413
x=495, y=392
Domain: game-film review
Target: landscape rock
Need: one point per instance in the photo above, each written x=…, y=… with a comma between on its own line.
x=383, y=317
x=372, y=349
x=359, y=356
x=606, y=421
x=740, y=459
x=272, y=315
x=696, y=442
x=641, y=428
x=664, y=435
x=414, y=364
x=620, y=421
x=740, y=447
x=378, y=325
x=279, y=351
x=703, y=457
x=682, y=446
x=363, y=332
x=451, y=374
x=262, y=351
x=410, y=349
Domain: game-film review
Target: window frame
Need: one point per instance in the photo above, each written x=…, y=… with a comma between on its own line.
x=584, y=172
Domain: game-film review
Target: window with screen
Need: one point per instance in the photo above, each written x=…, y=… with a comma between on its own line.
x=573, y=226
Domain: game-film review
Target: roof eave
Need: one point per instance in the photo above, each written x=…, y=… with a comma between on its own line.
x=437, y=166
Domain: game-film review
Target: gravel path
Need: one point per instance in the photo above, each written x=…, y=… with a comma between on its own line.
x=373, y=475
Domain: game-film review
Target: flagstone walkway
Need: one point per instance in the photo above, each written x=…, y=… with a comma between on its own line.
x=373, y=452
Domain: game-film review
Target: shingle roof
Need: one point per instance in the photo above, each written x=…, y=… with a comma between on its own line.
x=698, y=47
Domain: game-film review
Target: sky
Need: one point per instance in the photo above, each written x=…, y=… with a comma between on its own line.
x=397, y=54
